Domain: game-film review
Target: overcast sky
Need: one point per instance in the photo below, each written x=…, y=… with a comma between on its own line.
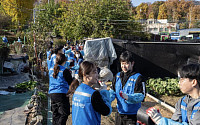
x=138, y=2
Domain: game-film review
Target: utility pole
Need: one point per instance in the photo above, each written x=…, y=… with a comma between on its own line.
x=190, y=17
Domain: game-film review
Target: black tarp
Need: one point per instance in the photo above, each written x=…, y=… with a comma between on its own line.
x=157, y=59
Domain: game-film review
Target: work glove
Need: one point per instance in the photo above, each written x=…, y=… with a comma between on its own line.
x=154, y=114
x=123, y=95
x=135, y=98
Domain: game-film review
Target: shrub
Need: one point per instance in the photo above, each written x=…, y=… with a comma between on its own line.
x=166, y=86
x=30, y=85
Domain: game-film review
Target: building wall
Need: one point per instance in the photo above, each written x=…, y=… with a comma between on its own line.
x=155, y=26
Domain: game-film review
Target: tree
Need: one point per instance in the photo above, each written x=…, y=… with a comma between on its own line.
x=5, y=20
x=89, y=18
x=19, y=10
x=155, y=8
x=43, y=24
x=142, y=11
x=162, y=12
x=194, y=16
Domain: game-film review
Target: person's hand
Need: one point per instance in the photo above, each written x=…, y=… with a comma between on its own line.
x=123, y=95
x=154, y=114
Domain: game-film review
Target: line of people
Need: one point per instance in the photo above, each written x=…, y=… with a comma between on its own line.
x=89, y=104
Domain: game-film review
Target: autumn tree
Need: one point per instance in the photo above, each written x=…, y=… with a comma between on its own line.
x=194, y=16
x=19, y=10
x=162, y=12
x=154, y=9
x=5, y=20
x=142, y=11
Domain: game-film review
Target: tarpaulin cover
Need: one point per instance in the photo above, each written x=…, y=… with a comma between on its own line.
x=11, y=101
x=101, y=51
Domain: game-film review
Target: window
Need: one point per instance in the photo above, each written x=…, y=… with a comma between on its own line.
x=166, y=29
x=161, y=29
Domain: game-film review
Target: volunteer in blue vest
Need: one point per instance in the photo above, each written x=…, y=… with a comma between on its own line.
x=60, y=79
x=58, y=49
x=49, y=53
x=78, y=60
x=88, y=104
x=128, y=89
x=188, y=107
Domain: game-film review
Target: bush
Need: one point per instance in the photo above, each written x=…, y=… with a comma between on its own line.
x=16, y=48
x=166, y=86
x=30, y=85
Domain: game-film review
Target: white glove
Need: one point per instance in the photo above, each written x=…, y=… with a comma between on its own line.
x=154, y=114
x=123, y=95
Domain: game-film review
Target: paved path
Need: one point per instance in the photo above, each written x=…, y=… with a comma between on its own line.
x=13, y=117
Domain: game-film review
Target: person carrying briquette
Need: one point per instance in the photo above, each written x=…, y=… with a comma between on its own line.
x=60, y=79
x=187, y=109
x=129, y=90
x=88, y=104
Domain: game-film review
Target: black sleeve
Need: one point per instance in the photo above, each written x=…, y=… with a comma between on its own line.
x=98, y=104
x=113, y=83
x=139, y=88
x=67, y=76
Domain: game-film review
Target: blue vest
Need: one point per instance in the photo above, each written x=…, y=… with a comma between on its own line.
x=52, y=61
x=123, y=107
x=48, y=53
x=58, y=84
x=184, y=110
x=83, y=112
x=48, y=61
x=78, y=62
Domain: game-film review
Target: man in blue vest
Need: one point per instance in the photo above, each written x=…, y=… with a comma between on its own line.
x=128, y=89
x=188, y=107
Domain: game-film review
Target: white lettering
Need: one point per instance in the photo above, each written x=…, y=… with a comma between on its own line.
x=78, y=104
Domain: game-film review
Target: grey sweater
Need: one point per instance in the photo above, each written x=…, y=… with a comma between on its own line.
x=190, y=103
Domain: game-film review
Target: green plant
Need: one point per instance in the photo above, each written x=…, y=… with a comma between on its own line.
x=42, y=95
x=30, y=85
x=165, y=86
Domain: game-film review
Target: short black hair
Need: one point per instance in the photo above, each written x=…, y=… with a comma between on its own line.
x=191, y=71
x=126, y=57
x=58, y=48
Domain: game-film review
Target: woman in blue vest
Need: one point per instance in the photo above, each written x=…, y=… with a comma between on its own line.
x=58, y=49
x=78, y=60
x=60, y=79
x=128, y=89
x=88, y=104
x=49, y=53
x=188, y=107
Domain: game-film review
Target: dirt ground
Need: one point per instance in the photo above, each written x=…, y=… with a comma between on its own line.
x=109, y=120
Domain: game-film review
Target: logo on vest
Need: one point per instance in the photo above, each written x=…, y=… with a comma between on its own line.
x=76, y=102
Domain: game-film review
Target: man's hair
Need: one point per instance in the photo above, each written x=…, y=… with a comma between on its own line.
x=191, y=71
x=126, y=57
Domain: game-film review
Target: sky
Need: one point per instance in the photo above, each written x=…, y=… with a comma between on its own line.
x=138, y=2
